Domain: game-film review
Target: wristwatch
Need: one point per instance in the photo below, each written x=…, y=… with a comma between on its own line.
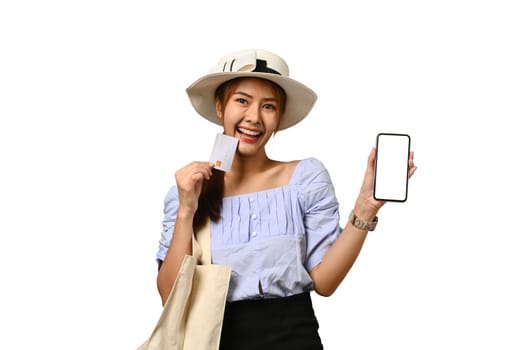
x=362, y=224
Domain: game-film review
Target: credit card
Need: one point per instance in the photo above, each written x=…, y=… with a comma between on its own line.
x=223, y=152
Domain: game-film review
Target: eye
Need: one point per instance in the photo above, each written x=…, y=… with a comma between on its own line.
x=270, y=106
x=241, y=100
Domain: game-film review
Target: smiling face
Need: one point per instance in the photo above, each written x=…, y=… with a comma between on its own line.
x=250, y=110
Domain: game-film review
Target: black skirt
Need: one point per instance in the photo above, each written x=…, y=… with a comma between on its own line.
x=282, y=323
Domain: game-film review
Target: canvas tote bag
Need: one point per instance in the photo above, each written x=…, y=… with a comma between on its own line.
x=192, y=316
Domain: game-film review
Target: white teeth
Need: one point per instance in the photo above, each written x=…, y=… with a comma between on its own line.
x=249, y=132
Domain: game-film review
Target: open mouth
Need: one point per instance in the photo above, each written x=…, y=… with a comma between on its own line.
x=249, y=132
x=248, y=135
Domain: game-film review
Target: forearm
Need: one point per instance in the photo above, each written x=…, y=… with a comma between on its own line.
x=181, y=245
x=342, y=255
x=338, y=260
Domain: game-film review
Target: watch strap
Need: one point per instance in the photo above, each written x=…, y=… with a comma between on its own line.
x=362, y=224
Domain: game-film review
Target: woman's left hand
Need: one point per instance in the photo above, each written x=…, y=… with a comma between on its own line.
x=366, y=206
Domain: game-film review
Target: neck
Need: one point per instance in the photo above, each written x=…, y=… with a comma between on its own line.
x=249, y=166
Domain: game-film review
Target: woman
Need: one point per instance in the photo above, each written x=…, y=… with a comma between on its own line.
x=276, y=224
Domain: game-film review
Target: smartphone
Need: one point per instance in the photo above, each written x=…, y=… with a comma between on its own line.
x=391, y=167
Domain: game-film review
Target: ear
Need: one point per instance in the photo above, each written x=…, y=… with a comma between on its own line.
x=218, y=108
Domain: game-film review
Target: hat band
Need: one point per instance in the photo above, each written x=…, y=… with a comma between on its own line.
x=261, y=66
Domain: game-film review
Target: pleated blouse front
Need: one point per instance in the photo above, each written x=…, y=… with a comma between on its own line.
x=272, y=238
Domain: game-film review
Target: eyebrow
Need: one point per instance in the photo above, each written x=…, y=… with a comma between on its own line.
x=248, y=95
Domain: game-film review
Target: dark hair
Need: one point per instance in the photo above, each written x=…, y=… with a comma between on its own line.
x=210, y=200
x=212, y=193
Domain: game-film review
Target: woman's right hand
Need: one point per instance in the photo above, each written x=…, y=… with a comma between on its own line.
x=189, y=184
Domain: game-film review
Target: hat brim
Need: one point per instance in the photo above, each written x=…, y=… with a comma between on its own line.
x=299, y=98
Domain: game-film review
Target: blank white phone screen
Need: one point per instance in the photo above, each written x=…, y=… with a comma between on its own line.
x=391, y=173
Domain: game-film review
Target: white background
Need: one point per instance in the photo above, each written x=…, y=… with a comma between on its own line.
x=95, y=120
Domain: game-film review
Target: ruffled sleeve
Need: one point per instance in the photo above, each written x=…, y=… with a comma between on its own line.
x=171, y=205
x=321, y=209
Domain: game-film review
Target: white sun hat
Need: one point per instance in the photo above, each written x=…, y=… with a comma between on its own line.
x=253, y=63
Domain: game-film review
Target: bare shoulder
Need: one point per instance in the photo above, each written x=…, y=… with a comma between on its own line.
x=274, y=174
x=282, y=172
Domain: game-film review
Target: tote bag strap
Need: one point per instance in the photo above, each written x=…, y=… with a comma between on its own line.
x=202, y=244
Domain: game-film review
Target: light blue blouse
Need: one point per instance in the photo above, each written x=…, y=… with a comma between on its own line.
x=272, y=238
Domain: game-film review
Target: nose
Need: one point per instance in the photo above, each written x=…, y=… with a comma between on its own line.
x=253, y=113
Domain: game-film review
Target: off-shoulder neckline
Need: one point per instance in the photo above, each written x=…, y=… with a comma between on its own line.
x=293, y=181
